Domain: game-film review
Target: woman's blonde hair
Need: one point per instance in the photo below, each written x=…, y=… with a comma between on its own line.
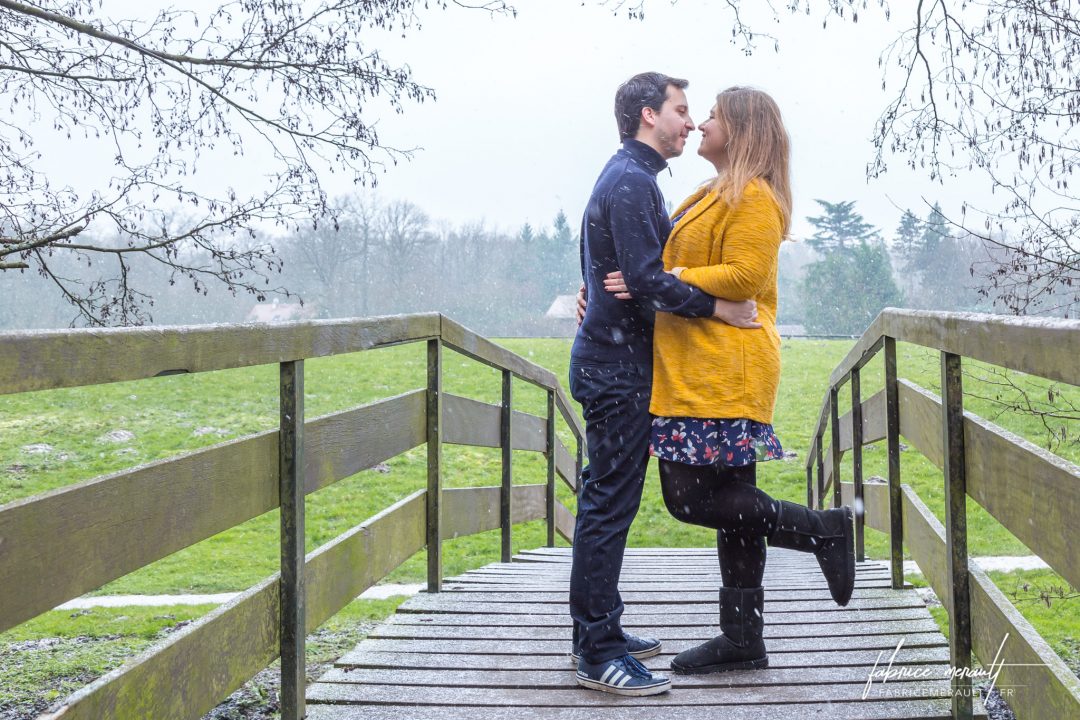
x=758, y=147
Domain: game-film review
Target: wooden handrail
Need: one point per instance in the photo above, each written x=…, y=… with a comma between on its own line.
x=53, y=549
x=1032, y=492
x=53, y=359
x=1046, y=347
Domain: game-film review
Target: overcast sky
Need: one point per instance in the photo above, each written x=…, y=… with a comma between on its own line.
x=524, y=117
x=524, y=120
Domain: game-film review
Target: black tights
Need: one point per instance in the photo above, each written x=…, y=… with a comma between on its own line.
x=726, y=499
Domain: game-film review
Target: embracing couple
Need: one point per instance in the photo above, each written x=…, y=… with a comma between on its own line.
x=677, y=356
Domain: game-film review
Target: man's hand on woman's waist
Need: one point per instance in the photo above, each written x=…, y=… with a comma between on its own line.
x=740, y=314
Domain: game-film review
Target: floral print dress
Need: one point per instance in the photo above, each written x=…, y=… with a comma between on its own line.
x=700, y=441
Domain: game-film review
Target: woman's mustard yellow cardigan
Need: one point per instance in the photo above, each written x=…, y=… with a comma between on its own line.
x=706, y=368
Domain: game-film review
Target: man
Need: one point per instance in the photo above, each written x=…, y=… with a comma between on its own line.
x=624, y=228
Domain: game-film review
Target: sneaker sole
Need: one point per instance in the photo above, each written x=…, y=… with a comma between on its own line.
x=639, y=655
x=759, y=664
x=656, y=689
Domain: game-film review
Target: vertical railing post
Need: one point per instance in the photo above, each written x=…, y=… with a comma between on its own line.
x=550, y=496
x=896, y=500
x=434, y=464
x=835, y=422
x=291, y=496
x=952, y=403
x=506, y=443
x=857, y=464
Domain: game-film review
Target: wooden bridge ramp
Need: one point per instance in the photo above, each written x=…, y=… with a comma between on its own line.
x=494, y=645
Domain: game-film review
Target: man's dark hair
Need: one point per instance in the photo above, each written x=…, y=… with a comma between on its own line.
x=644, y=90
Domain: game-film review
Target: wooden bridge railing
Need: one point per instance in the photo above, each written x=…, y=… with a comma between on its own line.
x=64, y=543
x=1032, y=492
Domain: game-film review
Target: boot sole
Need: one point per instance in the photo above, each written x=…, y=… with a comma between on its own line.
x=759, y=664
x=657, y=689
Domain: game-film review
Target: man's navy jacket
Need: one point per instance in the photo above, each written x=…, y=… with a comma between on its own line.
x=625, y=228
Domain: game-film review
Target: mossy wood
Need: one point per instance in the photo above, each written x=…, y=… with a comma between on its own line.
x=467, y=511
x=1030, y=491
x=1013, y=479
x=93, y=532
x=188, y=674
x=44, y=360
x=1044, y=347
x=70, y=541
x=1043, y=685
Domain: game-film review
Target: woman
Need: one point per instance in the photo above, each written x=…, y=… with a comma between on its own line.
x=714, y=385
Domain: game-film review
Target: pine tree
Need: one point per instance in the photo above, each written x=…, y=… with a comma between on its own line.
x=935, y=231
x=557, y=260
x=840, y=228
x=844, y=291
x=907, y=238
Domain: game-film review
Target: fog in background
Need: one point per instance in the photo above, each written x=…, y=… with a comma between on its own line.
x=483, y=221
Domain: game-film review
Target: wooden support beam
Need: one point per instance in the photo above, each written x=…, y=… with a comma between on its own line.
x=505, y=435
x=291, y=589
x=956, y=532
x=434, y=465
x=896, y=503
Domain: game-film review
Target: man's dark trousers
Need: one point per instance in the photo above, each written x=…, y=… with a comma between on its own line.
x=615, y=402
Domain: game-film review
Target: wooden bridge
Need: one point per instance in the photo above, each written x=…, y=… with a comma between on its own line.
x=494, y=642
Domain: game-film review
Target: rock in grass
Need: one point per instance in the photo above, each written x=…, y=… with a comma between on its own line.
x=117, y=436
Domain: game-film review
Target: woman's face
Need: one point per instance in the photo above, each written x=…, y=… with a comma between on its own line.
x=714, y=139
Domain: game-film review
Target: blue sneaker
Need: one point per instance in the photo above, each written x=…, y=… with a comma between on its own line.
x=640, y=648
x=621, y=676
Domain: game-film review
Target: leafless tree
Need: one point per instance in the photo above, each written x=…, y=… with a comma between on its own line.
x=286, y=81
x=994, y=86
x=331, y=256
x=991, y=86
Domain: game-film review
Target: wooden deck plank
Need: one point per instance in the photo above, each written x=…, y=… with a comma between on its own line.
x=662, y=596
x=558, y=647
x=632, y=620
x=560, y=678
x=663, y=573
x=423, y=602
x=570, y=697
x=638, y=571
x=679, y=587
x=667, y=575
x=864, y=710
x=495, y=643
x=661, y=662
x=700, y=633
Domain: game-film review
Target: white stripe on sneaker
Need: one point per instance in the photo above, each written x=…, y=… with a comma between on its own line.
x=611, y=669
x=622, y=682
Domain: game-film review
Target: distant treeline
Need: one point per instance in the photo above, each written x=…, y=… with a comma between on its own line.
x=390, y=257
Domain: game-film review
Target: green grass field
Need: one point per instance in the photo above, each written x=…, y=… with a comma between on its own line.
x=52, y=439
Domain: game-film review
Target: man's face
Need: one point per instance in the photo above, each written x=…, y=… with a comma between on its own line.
x=672, y=123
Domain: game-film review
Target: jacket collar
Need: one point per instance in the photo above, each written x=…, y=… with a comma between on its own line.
x=644, y=155
x=704, y=197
